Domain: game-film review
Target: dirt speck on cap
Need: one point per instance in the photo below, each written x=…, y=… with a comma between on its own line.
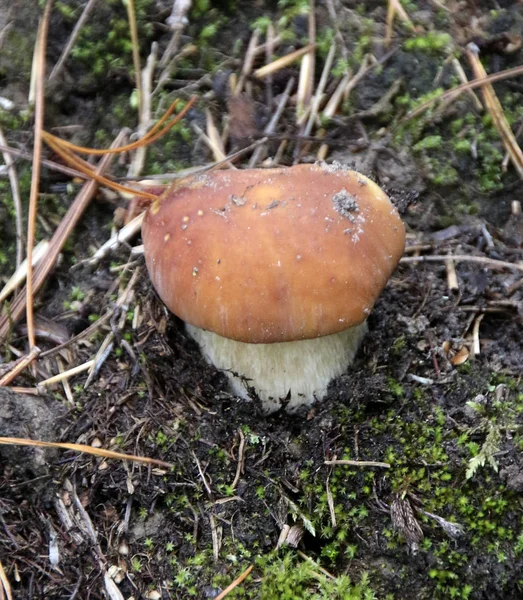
x=346, y=205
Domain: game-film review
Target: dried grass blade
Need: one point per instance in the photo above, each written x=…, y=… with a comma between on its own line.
x=307, y=70
x=17, y=201
x=5, y=587
x=284, y=61
x=235, y=583
x=9, y=441
x=214, y=137
x=41, y=44
x=131, y=15
x=248, y=62
x=19, y=276
x=496, y=111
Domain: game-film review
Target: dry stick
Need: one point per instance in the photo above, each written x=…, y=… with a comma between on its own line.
x=72, y=39
x=41, y=45
x=491, y=262
x=234, y=584
x=64, y=375
x=496, y=111
x=17, y=201
x=202, y=475
x=56, y=243
x=357, y=463
x=20, y=366
x=131, y=15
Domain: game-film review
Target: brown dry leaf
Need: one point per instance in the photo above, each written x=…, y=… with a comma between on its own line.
x=242, y=118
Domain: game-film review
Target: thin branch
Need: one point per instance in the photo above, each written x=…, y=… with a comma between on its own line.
x=358, y=463
x=490, y=262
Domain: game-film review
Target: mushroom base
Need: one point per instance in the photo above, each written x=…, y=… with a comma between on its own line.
x=293, y=374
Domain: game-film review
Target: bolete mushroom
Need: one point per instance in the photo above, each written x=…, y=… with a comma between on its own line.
x=274, y=271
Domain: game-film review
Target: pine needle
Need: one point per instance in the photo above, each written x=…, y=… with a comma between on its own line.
x=9, y=441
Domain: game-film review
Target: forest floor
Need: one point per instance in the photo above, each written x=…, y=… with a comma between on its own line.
x=435, y=391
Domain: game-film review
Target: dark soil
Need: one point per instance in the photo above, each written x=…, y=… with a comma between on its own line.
x=445, y=520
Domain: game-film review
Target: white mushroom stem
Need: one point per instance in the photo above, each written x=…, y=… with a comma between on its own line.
x=300, y=370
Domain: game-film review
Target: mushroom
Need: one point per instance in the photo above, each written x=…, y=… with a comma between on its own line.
x=274, y=271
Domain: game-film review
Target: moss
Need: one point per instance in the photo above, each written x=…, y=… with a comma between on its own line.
x=433, y=41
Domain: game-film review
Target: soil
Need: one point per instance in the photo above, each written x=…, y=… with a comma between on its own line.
x=444, y=520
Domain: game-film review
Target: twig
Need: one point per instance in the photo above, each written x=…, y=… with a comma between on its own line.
x=471, y=85
x=101, y=356
x=234, y=584
x=121, y=237
x=40, y=50
x=202, y=475
x=358, y=463
x=490, y=262
x=463, y=78
x=241, y=460
x=496, y=111
x=67, y=374
x=20, y=366
x=215, y=538
x=72, y=39
x=17, y=201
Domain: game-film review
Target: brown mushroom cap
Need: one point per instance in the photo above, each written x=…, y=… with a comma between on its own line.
x=264, y=256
